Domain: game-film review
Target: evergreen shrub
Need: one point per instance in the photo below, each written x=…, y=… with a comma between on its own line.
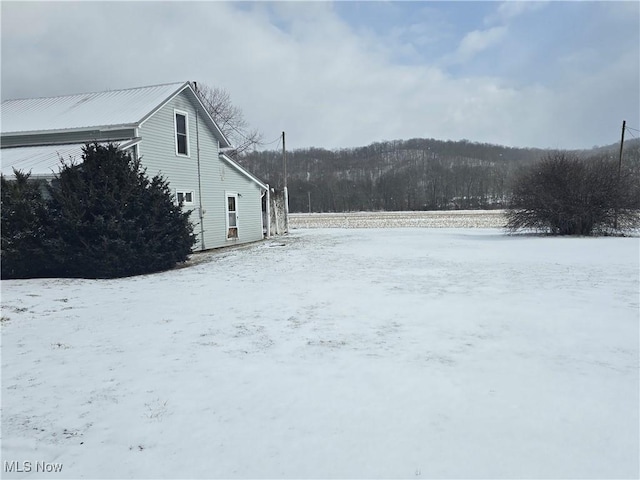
x=23, y=228
x=105, y=218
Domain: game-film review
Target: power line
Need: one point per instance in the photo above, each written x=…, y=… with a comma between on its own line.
x=277, y=139
x=242, y=135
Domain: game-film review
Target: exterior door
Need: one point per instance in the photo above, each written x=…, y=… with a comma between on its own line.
x=232, y=216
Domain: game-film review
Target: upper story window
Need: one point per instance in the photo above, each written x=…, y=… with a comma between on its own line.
x=181, y=121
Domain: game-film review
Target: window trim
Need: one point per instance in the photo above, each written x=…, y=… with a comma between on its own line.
x=184, y=195
x=177, y=112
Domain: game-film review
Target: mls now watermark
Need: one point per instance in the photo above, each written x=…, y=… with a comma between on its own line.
x=26, y=467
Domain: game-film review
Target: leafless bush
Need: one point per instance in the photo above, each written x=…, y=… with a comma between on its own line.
x=565, y=195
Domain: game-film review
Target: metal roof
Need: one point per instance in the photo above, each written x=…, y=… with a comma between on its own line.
x=45, y=161
x=99, y=109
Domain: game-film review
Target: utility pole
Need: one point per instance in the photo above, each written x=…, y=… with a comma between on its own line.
x=615, y=219
x=624, y=127
x=284, y=161
x=285, y=190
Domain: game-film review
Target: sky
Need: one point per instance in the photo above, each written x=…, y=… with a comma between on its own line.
x=551, y=74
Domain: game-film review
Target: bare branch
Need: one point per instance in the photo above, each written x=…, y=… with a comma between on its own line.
x=229, y=117
x=566, y=195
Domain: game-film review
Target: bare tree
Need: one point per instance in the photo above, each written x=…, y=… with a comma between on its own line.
x=229, y=118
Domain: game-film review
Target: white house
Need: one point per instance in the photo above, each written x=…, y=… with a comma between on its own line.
x=167, y=127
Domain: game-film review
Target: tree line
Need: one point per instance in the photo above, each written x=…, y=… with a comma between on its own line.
x=416, y=174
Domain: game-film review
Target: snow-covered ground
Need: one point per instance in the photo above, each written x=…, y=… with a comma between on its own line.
x=353, y=353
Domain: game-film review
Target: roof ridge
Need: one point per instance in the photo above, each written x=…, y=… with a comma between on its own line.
x=95, y=92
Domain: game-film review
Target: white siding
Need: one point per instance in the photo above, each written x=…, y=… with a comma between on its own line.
x=249, y=205
x=158, y=152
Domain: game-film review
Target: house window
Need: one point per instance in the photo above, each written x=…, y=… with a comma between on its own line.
x=185, y=197
x=182, y=133
x=232, y=216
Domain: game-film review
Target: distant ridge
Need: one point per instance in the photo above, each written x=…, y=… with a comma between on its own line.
x=400, y=175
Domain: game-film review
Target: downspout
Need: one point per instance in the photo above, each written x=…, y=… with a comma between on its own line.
x=263, y=195
x=200, y=212
x=268, y=211
x=136, y=147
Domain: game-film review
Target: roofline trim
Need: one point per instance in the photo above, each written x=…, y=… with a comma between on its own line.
x=121, y=145
x=33, y=176
x=91, y=129
x=122, y=142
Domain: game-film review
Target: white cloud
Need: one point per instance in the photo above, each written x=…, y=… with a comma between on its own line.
x=509, y=10
x=478, y=41
x=297, y=68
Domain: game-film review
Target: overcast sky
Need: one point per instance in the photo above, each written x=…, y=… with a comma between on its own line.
x=529, y=74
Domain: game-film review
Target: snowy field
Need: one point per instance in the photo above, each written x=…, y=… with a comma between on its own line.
x=430, y=219
x=351, y=353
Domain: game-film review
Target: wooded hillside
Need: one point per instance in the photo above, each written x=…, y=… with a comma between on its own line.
x=416, y=174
